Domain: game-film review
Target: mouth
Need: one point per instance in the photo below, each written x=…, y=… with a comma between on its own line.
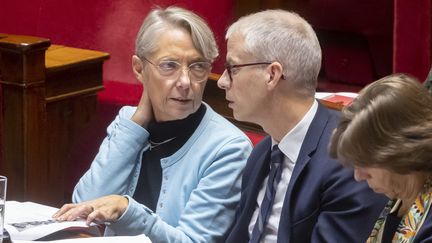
x=181, y=100
x=230, y=102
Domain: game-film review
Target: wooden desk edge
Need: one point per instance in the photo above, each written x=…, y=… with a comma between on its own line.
x=22, y=43
x=59, y=57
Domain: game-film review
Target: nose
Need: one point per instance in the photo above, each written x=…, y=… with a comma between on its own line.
x=360, y=174
x=184, y=80
x=224, y=82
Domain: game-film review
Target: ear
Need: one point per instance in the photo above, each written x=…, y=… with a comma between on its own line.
x=275, y=75
x=137, y=68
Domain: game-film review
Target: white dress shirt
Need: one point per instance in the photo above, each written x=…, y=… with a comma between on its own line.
x=290, y=146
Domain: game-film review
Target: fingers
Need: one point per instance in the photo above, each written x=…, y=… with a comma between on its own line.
x=101, y=210
x=70, y=212
x=95, y=216
x=63, y=209
x=144, y=112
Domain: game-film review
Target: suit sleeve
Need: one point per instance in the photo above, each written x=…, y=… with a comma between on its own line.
x=349, y=209
x=424, y=235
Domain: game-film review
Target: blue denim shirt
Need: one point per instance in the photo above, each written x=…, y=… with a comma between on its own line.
x=200, y=182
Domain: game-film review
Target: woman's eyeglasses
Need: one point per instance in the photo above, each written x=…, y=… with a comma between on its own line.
x=198, y=71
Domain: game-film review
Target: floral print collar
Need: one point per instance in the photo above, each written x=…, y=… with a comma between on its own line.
x=410, y=223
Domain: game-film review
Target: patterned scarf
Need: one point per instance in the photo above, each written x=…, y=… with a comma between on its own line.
x=410, y=223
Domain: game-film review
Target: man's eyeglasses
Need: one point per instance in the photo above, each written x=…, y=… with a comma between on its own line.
x=230, y=68
x=198, y=71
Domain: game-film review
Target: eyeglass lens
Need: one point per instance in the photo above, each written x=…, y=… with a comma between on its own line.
x=197, y=71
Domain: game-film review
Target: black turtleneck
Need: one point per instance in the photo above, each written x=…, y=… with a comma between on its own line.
x=166, y=138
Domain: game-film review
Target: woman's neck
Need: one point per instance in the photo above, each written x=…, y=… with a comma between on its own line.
x=414, y=186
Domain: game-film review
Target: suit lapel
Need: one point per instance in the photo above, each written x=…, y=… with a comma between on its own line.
x=259, y=172
x=310, y=143
x=307, y=150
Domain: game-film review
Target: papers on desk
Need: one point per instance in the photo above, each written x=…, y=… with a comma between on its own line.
x=113, y=239
x=31, y=221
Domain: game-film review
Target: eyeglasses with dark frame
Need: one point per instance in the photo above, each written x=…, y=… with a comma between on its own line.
x=229, y=67
x=198, y=71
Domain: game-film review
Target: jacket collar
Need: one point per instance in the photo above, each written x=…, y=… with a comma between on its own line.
x=309, y=146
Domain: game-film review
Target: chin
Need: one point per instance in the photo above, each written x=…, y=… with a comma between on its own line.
x=181, y=112
x=181, y=116
x=244, y=117
x=185, y=113
x=237, y=116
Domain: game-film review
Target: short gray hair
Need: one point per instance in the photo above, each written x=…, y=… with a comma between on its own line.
x=285, y=37
x=159, y=20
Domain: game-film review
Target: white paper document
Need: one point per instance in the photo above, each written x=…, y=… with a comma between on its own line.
x=31, y=221
x=322, y=95
x=111, y=239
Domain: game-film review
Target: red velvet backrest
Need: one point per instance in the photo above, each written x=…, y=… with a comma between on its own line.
x=106, y=25
x=356, y=37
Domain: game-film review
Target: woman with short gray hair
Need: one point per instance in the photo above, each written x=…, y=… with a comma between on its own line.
x=175, y=161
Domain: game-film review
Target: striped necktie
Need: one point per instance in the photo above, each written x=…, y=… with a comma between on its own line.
x=266, y=206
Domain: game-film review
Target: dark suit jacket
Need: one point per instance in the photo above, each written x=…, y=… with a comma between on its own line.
x=424, y=235
x=323, y=202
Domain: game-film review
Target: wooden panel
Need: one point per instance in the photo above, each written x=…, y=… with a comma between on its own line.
x=63, y=84
x=47, y=98
x=68, y=118
x=23, y=111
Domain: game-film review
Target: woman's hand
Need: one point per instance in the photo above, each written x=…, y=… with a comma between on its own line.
x=144, y=112
x=101, y=210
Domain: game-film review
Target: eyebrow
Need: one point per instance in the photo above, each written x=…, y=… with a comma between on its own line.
x=198, y=59
x=189, y=61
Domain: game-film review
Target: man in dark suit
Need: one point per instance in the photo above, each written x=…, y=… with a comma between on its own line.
x=292, y=191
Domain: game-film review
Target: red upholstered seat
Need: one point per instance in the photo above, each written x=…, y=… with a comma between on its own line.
x=254, y=137
x=356, y=38
x=120, y=93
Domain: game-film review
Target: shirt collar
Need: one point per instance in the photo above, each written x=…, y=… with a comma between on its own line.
x=291, y=143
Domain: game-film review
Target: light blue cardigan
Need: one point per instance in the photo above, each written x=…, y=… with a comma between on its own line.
x=200, y=182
